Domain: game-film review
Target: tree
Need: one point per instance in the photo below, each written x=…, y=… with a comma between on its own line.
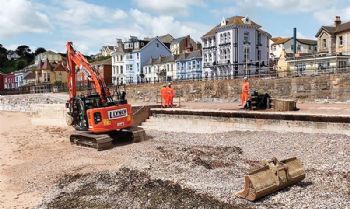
x=21, y=64
x=3, y=50
x=23, y=50
x=39, y=51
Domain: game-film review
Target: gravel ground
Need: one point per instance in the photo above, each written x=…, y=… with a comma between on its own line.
x=209, y=169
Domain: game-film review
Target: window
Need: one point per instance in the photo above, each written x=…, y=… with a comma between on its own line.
x=138, y=67
x=340, y=40
x=142, y=43
x=157, y=44
x=138, y=55
x=292, y=47
x=310, y=47
x=129, y=56
x=129, y=67
x=246, y=54
x=259, y=38
x=324, y=43
x=259, y=55
x=117, y=70
x=246, y=38
x=121, y=57
x=298, y=47
x=121, y=69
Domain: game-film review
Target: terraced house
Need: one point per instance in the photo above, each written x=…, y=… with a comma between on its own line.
x=160, y=69
x=304, y=46
x=133, y=55
x=189, y=66
x=236, y=46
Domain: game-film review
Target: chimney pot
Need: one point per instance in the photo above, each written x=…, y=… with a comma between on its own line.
x=337, y=21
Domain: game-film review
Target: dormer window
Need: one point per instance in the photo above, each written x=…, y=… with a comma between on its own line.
x=223, y=21
x=246, y=20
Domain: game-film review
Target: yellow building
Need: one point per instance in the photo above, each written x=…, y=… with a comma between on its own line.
x=50, y=73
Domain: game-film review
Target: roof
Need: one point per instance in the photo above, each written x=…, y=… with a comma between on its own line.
x=166, y=38
x=281, y=40
x=30, y=75
x=46, y=65
x=328, y=29
x=103, y=62
x=235, y=20
x=60, y=67
x=153, y=39
x=162, y=60
x=343, y=27
x=191, y=55
x=178, y=40
x=108, y=47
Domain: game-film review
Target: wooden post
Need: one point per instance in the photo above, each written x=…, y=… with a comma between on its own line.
x=284, y=105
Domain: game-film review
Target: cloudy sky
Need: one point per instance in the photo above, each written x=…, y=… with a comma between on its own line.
x=93, y=23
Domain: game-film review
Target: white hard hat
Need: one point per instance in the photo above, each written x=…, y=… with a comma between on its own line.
x=245, y=78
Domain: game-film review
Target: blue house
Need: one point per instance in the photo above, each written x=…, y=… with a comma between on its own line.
x=189, y=66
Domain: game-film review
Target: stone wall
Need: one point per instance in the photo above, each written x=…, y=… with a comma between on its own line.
x=334, y=87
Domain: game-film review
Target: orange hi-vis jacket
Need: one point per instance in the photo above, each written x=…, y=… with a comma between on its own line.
x=245, y=92
x=163, y=93
x=171, y=95
x=245, y=87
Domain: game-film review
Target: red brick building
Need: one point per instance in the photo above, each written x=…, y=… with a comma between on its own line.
x=2, y=85
x=10, y=81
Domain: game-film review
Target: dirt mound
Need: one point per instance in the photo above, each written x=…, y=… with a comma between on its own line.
x=126, y=189
x=208, y=157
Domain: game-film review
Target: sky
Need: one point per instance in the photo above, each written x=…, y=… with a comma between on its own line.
x=91, y=24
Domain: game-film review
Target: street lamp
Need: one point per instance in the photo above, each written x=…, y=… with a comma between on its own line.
x=246, y=47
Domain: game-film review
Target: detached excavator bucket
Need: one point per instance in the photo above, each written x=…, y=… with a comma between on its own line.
x=273, y=176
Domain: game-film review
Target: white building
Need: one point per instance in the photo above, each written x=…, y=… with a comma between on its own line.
x=50, y=55
x=160, y=69
x=128, y=61
x=304, y=46
x=237, y=46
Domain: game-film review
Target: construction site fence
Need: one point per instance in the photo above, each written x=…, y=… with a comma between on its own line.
x=268, y=73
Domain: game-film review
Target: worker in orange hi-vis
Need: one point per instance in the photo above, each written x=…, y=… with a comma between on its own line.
x=167, y=96
x=171, y=95
x=163, y=92
x=245, y=92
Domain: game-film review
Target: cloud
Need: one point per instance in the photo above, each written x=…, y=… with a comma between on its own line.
x=163, y=24
x=225, y=12
x=21, y=16
x=78, y=12
x=327, y=16
x=288, y=6
x=178, y=7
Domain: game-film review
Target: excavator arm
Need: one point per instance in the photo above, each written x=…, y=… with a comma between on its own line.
x=76, y=61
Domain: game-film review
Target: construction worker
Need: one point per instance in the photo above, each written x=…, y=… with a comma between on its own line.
x=171, y=95
x=245, y=91
x=163, y=92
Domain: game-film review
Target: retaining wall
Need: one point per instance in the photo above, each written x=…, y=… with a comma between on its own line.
x=309, y=88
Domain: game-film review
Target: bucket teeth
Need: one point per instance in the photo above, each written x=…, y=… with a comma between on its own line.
x=271, y=177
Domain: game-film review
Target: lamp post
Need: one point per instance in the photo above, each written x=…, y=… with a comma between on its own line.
x=246, y=47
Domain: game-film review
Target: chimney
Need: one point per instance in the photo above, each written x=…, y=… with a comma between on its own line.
x=337, y=21
x=119, y=42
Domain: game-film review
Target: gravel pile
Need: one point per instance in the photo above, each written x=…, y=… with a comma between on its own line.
x=182, y=170
x=23, y=102
x=127, y=189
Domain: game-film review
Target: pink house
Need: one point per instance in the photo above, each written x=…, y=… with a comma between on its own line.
x=10, y=81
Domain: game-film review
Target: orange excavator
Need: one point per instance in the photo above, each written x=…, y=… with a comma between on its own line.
x=98, y=119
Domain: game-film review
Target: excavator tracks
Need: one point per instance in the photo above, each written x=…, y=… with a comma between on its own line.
x=107, y=140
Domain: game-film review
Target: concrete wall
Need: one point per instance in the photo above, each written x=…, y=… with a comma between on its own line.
x=334, y=87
